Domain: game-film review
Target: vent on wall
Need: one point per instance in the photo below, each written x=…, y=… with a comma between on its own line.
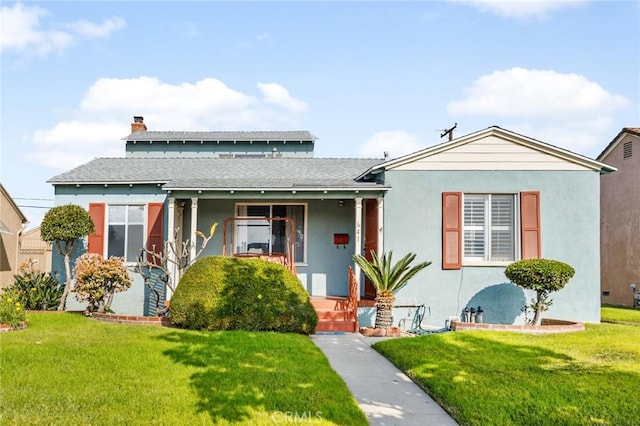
x=627, y=150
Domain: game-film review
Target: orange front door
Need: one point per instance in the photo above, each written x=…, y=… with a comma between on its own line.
x=370, y=240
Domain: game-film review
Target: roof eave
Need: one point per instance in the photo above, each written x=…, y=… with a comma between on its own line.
x=282, y=189
x=108, y=182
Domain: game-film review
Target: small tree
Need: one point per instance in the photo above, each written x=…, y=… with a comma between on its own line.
x=387, y=280
x=98, y=279
x=541, y=275
x=64, y=225
x=153, y=263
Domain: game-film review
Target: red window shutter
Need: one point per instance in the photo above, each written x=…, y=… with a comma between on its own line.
x=96, y=240
x=155, y=220
x=451, y=230
x=530, y=223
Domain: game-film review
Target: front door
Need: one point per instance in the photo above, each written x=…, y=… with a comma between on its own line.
x=370, y=240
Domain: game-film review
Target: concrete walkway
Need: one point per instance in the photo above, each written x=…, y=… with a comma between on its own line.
x=385, y=394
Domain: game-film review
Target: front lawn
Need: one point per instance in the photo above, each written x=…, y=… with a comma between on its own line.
x=68, y=369
x=497, y=378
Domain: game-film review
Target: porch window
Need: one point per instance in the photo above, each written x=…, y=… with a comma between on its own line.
x=125, y=227
x=489, y=228
x=256, y=236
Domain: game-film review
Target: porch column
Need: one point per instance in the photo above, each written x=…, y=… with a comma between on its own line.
x=358, y=240
x=380, y=226
x=194, y=228
x=172, y=266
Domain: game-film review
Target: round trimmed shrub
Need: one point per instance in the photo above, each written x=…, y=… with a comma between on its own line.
x=228, y=293
x=541, y=275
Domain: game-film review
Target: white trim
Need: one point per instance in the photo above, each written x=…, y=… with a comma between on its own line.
x=380, y=226
x=194, y=228
x=380, y=187
x=145, y=213
x=358, y=239
x=516, y=230
x=171, y=255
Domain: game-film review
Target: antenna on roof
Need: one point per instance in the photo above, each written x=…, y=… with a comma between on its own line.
x=449, y=132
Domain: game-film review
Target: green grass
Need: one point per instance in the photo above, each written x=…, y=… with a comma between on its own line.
x=68, y=369
x=497, y=378
x=620, y=315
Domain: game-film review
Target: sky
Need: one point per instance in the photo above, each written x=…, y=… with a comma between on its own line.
x=364, y=77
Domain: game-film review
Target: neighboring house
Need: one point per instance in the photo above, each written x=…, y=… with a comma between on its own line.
x=620, y=218
x=471, y=206
x=32, y=247
x=12, y=223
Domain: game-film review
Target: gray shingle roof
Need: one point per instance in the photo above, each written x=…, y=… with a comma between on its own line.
x=217, y=173
x=247, y=136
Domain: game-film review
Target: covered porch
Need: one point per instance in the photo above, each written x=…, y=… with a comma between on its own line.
x=314, y=234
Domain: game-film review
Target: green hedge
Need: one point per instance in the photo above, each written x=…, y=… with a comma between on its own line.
x=227, y=293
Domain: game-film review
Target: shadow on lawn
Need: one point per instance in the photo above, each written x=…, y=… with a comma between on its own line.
x=241, y=376
x=223, y=380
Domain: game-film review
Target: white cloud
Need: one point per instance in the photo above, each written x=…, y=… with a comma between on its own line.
x=92, y=30
x=544, y=104
x=21, y=31
x=396, y=143
x=104, y=114
x=521, y=9
x=69, y=143
x=277, y=95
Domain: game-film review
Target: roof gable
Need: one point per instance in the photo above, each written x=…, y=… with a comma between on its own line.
x=493, y=148
x=6, y=198
x=616, y=141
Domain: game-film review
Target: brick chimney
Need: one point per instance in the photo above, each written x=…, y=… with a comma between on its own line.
x=138, y=124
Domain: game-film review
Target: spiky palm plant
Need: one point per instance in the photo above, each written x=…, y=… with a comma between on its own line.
x=387, y=280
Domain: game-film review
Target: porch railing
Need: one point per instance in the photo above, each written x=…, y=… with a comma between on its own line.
x=286, y=259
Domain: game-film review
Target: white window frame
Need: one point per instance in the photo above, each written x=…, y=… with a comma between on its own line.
x=238, y=206
x=486, y=259
x=107, y=222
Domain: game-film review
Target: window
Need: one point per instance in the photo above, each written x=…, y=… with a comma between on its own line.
x=489, y=228
x=258, y=236
x=125, y=230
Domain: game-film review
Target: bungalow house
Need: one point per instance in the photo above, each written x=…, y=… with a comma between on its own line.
x=12, y=224
x=471, y=206
x=620, y=219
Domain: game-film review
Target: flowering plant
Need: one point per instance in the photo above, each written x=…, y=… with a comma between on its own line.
x=98, y=279
x=11, y=310
x=36, y=290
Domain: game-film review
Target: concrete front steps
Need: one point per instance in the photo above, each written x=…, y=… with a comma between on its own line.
x=333, y=314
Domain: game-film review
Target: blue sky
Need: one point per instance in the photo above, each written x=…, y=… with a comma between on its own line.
x=364, y=77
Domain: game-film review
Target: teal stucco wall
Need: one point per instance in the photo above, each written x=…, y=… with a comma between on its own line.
x=569, y=210
x=134, y=301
